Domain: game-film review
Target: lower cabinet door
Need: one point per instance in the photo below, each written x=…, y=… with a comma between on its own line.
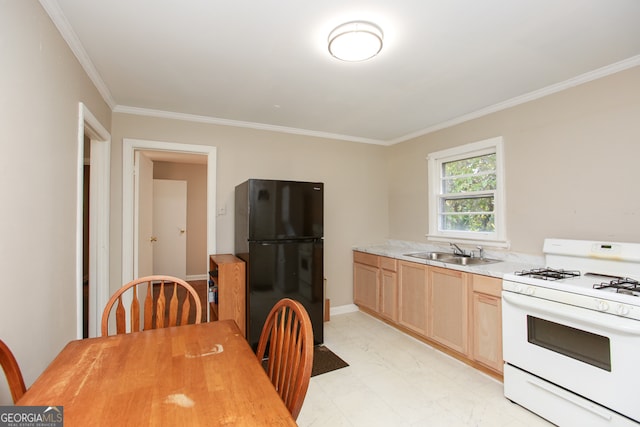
x=389, y=294
x=412, y=296
x=449, y=308
x=487, y=330
x=366, y=286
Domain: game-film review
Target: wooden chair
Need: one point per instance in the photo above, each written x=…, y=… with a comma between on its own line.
x=12, y=372
x=289, y=335
x=154, y=308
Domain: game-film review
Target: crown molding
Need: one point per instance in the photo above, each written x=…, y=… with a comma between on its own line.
x=238, y=123
x=607, y=70
x=52, y=8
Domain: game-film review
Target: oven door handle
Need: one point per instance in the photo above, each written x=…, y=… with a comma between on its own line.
x=584, y=316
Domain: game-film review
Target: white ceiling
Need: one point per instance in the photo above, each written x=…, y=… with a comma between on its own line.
x=264, y=63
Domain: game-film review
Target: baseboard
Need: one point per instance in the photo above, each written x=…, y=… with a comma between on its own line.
x=197, y=277
x=343, y=309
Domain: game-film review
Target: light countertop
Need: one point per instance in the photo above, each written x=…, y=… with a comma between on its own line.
x=509, y=261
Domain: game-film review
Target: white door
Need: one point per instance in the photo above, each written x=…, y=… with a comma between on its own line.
x=144, y=214
x=170, y=227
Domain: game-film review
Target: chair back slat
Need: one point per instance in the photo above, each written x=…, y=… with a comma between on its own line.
x=135, y=311
x=161, y=304
x=186, y=308
x=121, y=318
x=148, y=308
x=293, y=367
x=12, y=372
x=288, y=333
x=285, y=361
x=173, y=307
x=155, y=305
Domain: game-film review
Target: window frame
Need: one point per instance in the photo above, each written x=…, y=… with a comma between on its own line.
x=435, y=160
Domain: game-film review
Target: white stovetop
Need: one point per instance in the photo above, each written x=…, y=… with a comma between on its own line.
x=597, y=262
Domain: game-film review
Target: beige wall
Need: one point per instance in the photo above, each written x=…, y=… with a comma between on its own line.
x=355, y=177
x=41, y=84
x=571, y=166
x=196, y=177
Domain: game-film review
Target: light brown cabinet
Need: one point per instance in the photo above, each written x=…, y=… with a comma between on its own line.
x=448, y=314
x=413, y=296
x=375, y=284
x=366, y=280
x=458, y=312
x=389, y=288
x=487, y=321
x=228, y=273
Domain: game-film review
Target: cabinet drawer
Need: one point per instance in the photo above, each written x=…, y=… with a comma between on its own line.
x=390, y=264
x=367, y=259
x=487, y=285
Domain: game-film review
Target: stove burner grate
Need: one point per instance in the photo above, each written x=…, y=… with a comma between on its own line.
x=548, y=273
x=621, y=286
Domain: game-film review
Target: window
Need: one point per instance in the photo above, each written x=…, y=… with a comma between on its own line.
x=466, y=194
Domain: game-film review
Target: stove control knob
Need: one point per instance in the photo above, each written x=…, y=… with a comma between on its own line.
x=602, y=305
x=518, y=289
x=530, y=290
x=622, y=310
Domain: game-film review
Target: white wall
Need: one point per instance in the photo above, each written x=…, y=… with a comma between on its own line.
x=41, y=84
x=571, y=166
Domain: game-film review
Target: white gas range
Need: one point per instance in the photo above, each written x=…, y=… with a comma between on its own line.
x=571, y=334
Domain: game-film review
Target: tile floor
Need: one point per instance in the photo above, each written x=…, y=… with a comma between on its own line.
x=395, y=380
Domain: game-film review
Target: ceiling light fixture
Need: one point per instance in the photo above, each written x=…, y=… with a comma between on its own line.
x=355, y=41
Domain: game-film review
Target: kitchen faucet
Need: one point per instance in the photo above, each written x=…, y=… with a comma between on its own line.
x=457, y=250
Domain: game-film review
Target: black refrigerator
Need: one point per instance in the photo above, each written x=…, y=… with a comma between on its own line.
x=278, y=233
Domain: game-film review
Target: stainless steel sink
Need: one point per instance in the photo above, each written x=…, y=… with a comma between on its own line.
x=431, y=255
x=469, y=261
x=450, y=258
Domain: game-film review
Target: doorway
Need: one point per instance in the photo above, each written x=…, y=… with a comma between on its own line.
x=169, y=152
x=171, y=223
x=94, y=151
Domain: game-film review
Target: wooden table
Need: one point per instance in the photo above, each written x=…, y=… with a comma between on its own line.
x=189, y=375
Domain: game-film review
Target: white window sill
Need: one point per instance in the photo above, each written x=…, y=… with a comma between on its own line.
x=503, y=244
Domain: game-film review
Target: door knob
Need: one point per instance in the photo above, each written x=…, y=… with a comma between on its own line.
x=182, y=231
x=153, y=239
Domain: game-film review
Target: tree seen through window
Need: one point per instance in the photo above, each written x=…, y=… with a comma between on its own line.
x=468, y=194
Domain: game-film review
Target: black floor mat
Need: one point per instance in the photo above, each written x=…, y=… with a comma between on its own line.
x=324, y=360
